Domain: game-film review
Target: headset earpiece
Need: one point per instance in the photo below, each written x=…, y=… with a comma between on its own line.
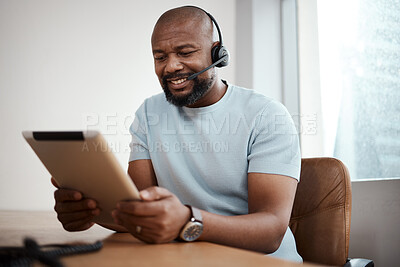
x=217, y=53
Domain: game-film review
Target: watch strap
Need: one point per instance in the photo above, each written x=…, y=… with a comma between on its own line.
x=196, y=214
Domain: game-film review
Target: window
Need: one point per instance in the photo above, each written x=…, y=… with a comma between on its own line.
x=359, y=59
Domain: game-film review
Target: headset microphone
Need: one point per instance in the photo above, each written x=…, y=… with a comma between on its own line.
x=191, y=77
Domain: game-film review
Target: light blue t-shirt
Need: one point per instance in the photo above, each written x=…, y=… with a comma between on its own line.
x=203, y=155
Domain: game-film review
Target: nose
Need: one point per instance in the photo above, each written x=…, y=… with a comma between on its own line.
x=173, y=64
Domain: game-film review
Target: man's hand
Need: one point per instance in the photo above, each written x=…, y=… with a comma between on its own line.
x=74, y=212
x=158, y=218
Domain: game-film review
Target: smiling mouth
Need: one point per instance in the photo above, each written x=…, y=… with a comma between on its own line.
x=177, y=82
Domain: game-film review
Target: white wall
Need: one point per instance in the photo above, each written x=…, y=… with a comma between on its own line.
x=312, y=144
x=266, y=46
x=375, y=221
x=259, y=46
x=72, y=65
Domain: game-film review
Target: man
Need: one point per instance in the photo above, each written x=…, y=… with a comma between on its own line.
x=228, y=152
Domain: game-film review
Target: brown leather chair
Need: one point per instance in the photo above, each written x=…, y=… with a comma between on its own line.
x=321, y=213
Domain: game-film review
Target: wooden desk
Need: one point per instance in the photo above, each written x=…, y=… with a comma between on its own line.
x=123, y=249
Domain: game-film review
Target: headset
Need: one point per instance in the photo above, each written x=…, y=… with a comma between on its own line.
x=219, y=54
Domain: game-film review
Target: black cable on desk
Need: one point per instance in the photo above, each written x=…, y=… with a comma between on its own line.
x=47, y=254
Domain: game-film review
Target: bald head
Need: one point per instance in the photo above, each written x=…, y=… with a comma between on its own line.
x=193, y=17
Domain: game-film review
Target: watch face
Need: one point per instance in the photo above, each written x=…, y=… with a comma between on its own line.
x=192, y=231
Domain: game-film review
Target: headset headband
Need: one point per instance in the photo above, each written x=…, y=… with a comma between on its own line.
x=213, y=20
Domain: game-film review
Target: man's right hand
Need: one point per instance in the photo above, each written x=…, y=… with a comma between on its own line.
x=74, y=212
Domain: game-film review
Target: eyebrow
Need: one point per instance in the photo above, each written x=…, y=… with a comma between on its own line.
x=180, y=47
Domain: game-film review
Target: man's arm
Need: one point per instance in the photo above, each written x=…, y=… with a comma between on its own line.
x=270, y=204
x=142, y=173
x=161, y=215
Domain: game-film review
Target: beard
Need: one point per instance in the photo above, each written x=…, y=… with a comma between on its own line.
x=200, y=87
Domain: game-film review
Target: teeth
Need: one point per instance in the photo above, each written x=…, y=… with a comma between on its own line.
x=178, y=81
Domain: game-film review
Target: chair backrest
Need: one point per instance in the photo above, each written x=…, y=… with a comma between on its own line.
x=320, y=219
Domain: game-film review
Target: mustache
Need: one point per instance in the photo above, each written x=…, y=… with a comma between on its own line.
x=175, y=76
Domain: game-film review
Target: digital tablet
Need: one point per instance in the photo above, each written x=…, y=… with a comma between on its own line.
x=83, y=161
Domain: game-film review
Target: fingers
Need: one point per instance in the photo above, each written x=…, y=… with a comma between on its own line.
x=74, y=206
x=136, y=208
x=150, y=231
x=53, y=181
x=148, y=209
x=154, y=201
x=73, y=211
x=80, y=216
x=78, y=225
x=67, y=195
x=76, y=220
x=131, y=220
x=154, y=193
x=160, y=215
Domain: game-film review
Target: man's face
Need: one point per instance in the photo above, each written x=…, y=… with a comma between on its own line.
x=179, y=50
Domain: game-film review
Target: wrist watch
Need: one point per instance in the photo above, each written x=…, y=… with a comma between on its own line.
x=193, y=229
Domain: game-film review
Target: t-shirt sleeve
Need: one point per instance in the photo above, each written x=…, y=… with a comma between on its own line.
x=274, y=143
x=138, y=130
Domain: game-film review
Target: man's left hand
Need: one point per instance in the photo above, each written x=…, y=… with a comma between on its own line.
x=158, y=218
